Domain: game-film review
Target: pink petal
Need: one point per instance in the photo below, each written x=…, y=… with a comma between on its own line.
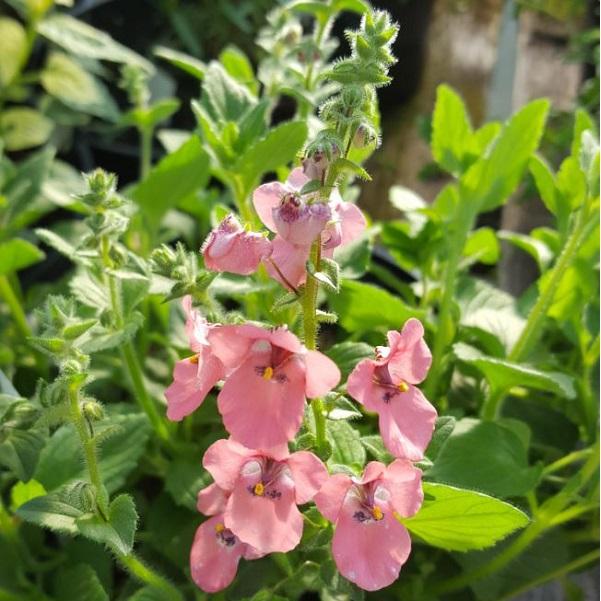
x=309, y=475
x=265, y=198
x=352, y=222
x=298, y=222
x=369, y=553
x=213, y=562
x=373, y=470
x=224, y=460
x=289, y=261
x=360, y=384
x=285, y=339
x=270, y=522
x=407, y=423
x=297, y=179
x=322, y=374
x=192, y=381
x=197, y=327
x=263, y=413
x=230, y=344
x=211, y=500
x=404, y=482
x=330, y=497
x=410, y=358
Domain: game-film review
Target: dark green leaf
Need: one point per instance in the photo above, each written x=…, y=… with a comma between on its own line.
x=183, y=481
x=80, y=583
x=346, y=445
x=347, y=354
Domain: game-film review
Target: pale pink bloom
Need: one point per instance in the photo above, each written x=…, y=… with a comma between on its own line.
x=387, y=385
x=215, y=554
x=259, y=490
x=270, y=374
x=229, y=247
x=194, y=376
x=298, y=222
x=370, y=544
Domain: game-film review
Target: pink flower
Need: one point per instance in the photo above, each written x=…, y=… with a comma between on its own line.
x=270, y=373
x=229, y=247
x=258, y=492
x=193, y=377
x=370, y=545
x=298, y=222
x=215, y=554
x=386, y=385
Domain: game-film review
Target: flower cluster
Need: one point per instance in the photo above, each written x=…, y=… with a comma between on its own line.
x=268, y=373
x=267, y=376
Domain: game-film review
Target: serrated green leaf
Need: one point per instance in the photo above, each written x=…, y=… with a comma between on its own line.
x=346, y=445
x=22, y=128
x=118, y=532
x=503, y=375
x=375, y=447
x=462, y=520
x=277, y=148
x=20, y=450
x=53, y=511
x=490, y=181
x=485, y=456
x=17, y=254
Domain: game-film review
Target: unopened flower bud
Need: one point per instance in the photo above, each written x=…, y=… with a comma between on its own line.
x=364, y=136
x=92, y=410
x=319, y=155
x=229, y=247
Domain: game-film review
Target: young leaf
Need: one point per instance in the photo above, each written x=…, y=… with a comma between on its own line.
x=56, y=511
x=17, y=254
x=451, y=130
x=463, y=520
x=22, y=492
x=504, y=375
x=13, y=44
x=490, y=181
x=482, y=246
x=485, y=456
x=181, y=60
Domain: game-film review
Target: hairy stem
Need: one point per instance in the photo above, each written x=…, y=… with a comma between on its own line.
x=148, y=576
x=145, y=151
x=88, y=445
x=7, y=292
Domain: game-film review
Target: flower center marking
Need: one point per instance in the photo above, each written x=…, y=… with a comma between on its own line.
x=377, y=513
x=194, y=359
x=219, y=528
x=268, y=373
x=403, y=386
x=259, y=489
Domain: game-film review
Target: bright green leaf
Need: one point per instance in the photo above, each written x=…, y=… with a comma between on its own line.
x=463, y=520
x=22, y=492
x=482, y=246
x=182, y=61
x=13, y=44
x=17, y=254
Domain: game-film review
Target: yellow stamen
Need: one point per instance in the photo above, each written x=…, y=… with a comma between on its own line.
x=219, y=528
x=259, y=489
x=403, y=386
x=194, y=359
x=377, y=513
x=268, y=373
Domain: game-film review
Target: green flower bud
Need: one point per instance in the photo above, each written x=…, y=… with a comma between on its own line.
x=92, y=410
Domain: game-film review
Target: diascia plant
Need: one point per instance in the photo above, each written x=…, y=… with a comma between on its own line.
x=259, y=420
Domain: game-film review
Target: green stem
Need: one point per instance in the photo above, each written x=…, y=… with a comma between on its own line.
x=578, y=563
x=145, y=151
x=148, y=576
x=130, y=357
x=493, y=405
x=6, y=290
x=89, y=448
x=567, y=460
x=310, y=332
x=464, y=220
